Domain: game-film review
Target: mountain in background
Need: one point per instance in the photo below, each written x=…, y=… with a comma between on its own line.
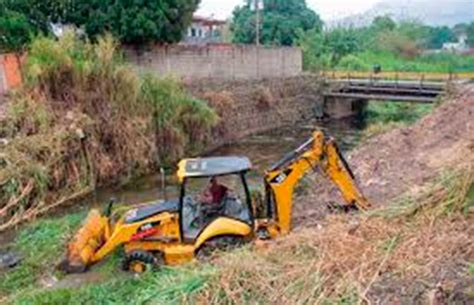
x=446, y=12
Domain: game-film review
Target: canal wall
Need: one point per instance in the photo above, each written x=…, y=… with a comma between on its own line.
x=250, y=107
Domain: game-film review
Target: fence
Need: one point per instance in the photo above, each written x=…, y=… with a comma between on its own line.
x=428, y=76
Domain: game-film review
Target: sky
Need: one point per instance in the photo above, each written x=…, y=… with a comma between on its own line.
x=327, y=9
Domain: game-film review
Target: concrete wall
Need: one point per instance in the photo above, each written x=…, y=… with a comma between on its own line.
x=220, y=61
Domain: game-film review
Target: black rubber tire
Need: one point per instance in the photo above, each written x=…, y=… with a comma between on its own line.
x=150, y=260
x=219, y=243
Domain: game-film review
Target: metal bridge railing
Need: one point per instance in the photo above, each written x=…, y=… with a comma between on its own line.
x=423, y=76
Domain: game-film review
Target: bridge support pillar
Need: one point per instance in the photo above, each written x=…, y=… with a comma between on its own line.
x=336, y=108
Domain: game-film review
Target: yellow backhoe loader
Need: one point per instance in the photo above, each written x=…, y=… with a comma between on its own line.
x=175, y=231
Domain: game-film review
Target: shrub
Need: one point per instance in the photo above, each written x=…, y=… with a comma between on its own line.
x=397, y=43
x=84, y=118
x=353, y=63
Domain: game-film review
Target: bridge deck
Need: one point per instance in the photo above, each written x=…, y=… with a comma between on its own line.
x=382, y=97
x=395, y=90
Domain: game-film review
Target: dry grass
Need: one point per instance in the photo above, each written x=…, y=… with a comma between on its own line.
x=222, y=101
x=265, y=99
x=349, y=258
x=379, y=128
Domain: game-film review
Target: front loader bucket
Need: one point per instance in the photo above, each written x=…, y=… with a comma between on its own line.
x=90, y=237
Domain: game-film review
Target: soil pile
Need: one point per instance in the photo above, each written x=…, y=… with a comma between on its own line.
x=416, y=245
x=403, y=160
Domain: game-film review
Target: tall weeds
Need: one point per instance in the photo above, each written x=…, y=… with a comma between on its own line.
x=85, y=118
x=361, y=259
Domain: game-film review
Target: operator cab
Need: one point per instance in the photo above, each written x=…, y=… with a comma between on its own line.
x=213, y=188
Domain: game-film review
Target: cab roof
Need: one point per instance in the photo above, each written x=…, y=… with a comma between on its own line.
x=216, y=166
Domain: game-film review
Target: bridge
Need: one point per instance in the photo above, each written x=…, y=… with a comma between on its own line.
x=391, y=86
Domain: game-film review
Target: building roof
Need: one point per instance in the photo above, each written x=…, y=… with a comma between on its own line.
x=216, y=166
x=208, y=21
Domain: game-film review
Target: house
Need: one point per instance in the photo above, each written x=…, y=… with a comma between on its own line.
x=456, y=47
x=205, y=30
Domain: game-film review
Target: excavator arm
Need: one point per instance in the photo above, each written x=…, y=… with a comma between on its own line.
x=318, y=152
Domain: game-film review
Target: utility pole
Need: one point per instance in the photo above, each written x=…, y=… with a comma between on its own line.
x=257, y=35
x=257, y=23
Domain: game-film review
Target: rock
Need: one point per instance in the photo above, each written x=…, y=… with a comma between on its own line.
x=9, y=260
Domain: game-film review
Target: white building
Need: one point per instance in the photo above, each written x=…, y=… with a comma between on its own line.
x=456, y=47
x=204, y=30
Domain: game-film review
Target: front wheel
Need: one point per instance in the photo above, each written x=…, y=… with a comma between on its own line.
x=140, y=261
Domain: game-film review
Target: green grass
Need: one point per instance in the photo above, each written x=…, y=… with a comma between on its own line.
x=40, y=245
x=168, y=286
x=471, y=269
x=395, y=112
x=442, y=62
x=381, y=117
x=377, y=128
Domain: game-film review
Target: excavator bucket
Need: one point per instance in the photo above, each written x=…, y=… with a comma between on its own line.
x=90, y=237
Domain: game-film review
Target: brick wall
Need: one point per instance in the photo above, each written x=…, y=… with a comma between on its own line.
x=220, y=61
x=10, y=75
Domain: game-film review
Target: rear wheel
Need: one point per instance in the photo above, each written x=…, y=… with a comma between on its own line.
x=220, y=243
x=140, y=261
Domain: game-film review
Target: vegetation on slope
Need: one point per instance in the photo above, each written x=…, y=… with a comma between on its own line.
x=84, y=119
x=381, y=117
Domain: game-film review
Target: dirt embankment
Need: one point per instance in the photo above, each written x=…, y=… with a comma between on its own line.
x=403, y=160
x=416, y=246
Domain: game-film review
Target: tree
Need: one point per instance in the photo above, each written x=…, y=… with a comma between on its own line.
x=416, y=31
x=282, y=20
x=397, y=43
x=15, y=31
x=440, y=35
x=134, y=22
x=342, y=42
x=383, y=23
x=315, y=52
x=460, y=28
x=325, y=49
x=470, y=34
x=22, y=19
